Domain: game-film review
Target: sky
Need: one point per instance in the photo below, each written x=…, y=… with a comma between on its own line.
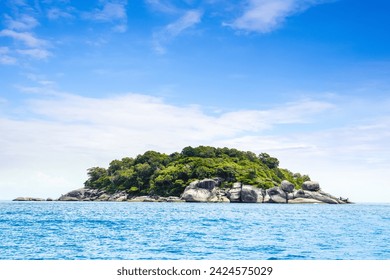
x=85, y=82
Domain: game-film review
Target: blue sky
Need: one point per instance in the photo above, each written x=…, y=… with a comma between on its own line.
x=85, y=82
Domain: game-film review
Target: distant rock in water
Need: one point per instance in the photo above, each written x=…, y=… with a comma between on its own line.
x=28, y=199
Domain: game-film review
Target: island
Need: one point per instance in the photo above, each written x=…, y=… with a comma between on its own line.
x=198, y=174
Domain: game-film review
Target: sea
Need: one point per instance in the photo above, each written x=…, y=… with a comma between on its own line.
x=193, y=231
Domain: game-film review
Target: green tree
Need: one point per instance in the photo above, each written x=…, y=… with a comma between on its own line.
x=97, y=178
x=271, y=162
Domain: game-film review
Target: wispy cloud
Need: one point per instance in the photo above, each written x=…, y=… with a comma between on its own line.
x=35, y=53
x=57, y=13
x=28, y=44
x=264, y=16
x=24, y=22
x=162, y=6
x=113, y=12
x=172, y=30
x=27, y=38
x=5, y=57
x=109, y=12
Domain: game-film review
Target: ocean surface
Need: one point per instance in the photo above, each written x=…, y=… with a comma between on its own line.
x=143, y=231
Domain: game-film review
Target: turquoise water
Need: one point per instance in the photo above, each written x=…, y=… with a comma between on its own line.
x=104, y=230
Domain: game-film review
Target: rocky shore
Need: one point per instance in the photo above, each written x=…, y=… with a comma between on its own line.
x=210, y=190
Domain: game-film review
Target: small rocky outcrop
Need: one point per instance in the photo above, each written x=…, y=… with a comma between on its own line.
x=312, y=193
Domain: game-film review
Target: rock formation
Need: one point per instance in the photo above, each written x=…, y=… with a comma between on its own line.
x=211, y=190
x=311, y=192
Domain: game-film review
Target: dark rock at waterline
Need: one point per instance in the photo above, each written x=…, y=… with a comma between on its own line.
x=277, y=195
x=250, y=194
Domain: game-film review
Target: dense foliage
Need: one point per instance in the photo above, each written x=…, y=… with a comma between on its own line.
x=155, y=173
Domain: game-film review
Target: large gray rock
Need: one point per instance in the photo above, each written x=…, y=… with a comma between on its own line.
x=219, y=195
x=250, y=194
x=118, y=196
x=300, y=194
x=287, y=186
x=266, y=198
x=323, y=198
x=277, y=195
x=311, y=186
x=234, y=194
x=200, y=191
x=207, y=184
x=304, y=196
x=74, y=195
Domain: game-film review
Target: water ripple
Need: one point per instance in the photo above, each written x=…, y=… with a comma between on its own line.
x=55, y=230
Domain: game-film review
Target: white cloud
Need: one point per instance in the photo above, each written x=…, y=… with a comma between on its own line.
x=5, y=57
x=35, y=53
x=162, y=6
x=24, y=22
x=112, y=12
x=26, y=43
x=7, y=60
x=266, y=15
x=4, y=50
x=120, y=28
x=26, y=38
x=189, y=19
x=33, y=47
x=57, y=13
x=172, y=30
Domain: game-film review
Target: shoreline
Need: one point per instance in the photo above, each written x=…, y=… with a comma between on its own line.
x=210, y=191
